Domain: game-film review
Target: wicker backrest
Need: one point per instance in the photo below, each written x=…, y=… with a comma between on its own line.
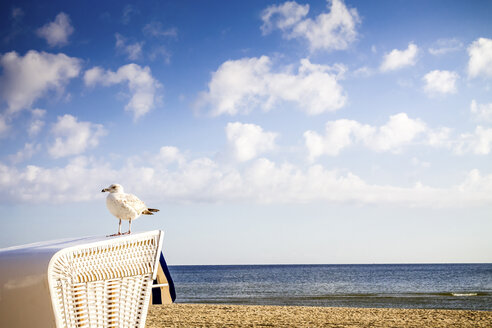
x=105, y=284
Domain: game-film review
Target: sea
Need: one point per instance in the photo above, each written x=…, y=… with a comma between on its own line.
x=419, y=286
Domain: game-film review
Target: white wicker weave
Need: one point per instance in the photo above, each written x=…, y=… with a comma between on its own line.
x=85, y=282
x=104, y=284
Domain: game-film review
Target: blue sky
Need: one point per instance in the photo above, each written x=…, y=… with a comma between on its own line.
x=265, y=132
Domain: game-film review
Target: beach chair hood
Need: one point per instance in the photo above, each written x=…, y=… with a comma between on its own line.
x=83, y=282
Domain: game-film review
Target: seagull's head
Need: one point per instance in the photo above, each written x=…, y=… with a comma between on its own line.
x=114, y=188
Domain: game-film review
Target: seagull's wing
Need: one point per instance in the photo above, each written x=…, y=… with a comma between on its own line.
x=132, y=202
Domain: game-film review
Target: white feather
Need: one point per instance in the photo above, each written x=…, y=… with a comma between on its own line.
x=125, y=206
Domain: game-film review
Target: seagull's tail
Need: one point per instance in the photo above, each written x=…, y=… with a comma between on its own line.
x=150, y=211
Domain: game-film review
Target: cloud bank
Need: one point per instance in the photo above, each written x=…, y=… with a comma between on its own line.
x=239, y=86
x=205, y=180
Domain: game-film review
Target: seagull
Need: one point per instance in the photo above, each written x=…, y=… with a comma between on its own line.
x=125, y=206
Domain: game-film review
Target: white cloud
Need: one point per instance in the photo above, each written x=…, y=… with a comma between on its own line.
x=445, y=46
x=133, y=51
x=56, y=33
x=440, y=82
x=141, y=83
x=479, y=142
x=334, y=30
x=480, y=63
x=36, y=123
x=400, y=130
x=482, y=112
x=283, y=16
x=26, y=79
x=397, y=59
x=36, y=184
x=338, y=135
x=204, y=180
x=73, y=137
x=25, y=153
x=35, y=127
x=239, y=86
x=363, y=72
x=247, y=141
x=155, y=29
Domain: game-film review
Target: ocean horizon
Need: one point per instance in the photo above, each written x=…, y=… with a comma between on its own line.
x=465, y=286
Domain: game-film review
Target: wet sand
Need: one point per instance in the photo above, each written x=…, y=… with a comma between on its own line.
x=207, y=315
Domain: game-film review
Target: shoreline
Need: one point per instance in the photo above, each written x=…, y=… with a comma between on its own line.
x=220, y=315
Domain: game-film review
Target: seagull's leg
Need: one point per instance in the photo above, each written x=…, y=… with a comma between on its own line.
x=129, y=228
x=119, y=231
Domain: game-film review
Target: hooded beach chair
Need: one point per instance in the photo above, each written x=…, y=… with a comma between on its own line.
x=85, y=282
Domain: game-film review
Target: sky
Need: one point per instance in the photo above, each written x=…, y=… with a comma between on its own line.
x=266, y=132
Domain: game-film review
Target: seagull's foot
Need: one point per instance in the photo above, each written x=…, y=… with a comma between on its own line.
x=126, y=233
x=116, y=234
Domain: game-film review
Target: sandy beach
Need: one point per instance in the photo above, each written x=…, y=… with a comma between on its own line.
x=208, y=315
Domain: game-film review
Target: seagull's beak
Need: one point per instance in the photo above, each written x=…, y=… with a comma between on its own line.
x=104, y=190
